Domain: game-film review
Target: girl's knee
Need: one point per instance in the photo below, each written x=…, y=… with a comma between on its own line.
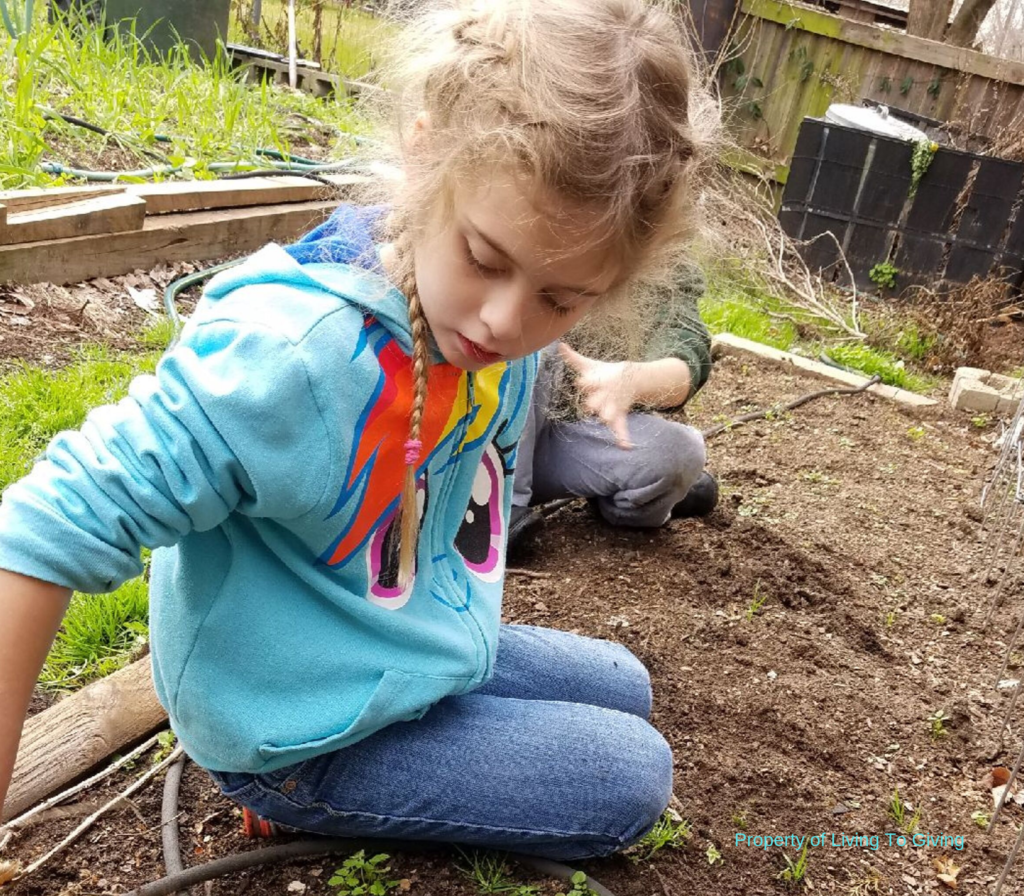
x=643, y=786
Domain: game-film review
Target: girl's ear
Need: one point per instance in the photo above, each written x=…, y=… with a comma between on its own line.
x=420, y=129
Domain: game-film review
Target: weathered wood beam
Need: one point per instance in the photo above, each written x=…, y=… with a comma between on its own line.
x=66, y=740
x=114, y=213
x=164, y=238
x=177, y=196
x=35, y=198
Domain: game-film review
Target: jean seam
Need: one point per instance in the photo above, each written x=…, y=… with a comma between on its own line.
x=610, y=838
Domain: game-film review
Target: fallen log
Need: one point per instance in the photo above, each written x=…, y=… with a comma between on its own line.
x=66, y=740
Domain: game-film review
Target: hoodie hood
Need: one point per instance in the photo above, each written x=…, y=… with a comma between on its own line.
x=349, y=284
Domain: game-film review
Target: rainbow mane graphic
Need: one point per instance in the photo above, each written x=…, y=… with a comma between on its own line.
x=376, y=467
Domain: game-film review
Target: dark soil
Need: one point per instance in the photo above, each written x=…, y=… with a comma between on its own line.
x=856, y=521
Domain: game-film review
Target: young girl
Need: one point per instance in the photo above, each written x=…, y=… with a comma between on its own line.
x=325, y=639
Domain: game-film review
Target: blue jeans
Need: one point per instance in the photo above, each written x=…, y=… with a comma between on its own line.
x=553, y=756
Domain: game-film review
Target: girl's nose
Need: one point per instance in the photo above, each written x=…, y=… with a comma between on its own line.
x=502, y=312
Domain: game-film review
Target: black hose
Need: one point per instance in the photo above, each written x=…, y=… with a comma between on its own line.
x=169, y=820
x=178, y=879
x=279, y=172
x=50, y=114
x=301, y=849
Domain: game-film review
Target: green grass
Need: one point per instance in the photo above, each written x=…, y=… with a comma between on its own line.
x=871, y=361
x=36, y=404
x=490, y=874
x=100, y=633
x=207, y=111
x=350, y=38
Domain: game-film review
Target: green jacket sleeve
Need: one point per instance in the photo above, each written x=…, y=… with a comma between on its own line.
x=679, y=331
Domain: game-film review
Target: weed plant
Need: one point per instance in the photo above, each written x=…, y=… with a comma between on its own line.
x=898, y=812
x=159, y=110
x=667, y=833
x=360, y=876
x=795, y=872
x=491, y=874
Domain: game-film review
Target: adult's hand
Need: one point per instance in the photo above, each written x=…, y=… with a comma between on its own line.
x=607, y=390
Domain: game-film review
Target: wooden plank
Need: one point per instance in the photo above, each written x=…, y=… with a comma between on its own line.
x=66, y=740
x=795, y=15
x=103, y=215
x=175, y=196
x=164, y=238
x=18, y=201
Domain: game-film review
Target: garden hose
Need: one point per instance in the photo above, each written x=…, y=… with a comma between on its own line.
x=56, y=168
x=178, y=879
x=50, y=114
x=275, y=158
x=169, y=835
x=183, y=283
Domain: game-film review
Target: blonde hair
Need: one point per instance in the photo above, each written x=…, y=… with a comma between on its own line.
x=590, y=100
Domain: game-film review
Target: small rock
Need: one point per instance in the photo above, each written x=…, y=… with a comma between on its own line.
x=296, y=886
x=773, y=675
x=540, y=605
x=840, y=809
x=915, y=659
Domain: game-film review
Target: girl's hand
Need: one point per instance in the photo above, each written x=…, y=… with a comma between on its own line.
x=607, y=390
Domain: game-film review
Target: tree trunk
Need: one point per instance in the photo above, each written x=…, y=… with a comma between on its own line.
x=928, y=18
x=964, y=30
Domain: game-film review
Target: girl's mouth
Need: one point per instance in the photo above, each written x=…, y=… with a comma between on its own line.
x=474, y=351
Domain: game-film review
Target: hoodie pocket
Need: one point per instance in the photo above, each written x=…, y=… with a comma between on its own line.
x=398, y=697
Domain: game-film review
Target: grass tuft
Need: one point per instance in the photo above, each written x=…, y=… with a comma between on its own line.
x=100, y=634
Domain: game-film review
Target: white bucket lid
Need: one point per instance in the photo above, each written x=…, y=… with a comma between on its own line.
x=877, y=121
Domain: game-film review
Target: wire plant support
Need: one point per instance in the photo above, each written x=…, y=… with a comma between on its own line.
x=1002, y=502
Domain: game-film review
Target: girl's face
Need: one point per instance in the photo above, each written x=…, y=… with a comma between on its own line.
x=502, y=278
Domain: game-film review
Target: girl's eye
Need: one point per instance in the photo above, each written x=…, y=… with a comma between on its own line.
x=555, y=305
x=484, y=269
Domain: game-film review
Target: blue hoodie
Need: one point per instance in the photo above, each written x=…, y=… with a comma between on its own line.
x=264, y=461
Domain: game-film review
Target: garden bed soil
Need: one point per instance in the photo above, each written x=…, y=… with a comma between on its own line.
x=856, y=521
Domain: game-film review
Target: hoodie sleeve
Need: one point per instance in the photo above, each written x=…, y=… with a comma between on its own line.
x=229, y=422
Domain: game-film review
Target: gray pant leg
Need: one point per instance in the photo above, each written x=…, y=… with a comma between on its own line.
x=536, y=423
x=634, y=487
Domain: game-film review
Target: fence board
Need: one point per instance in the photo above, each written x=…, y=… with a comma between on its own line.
x=853, y=61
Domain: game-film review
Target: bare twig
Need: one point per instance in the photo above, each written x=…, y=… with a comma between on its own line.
x=15, y=824
x=91, y=820
x=528, y=573
x=764, y=413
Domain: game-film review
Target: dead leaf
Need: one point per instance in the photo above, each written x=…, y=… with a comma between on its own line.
x=145, y=298
x=405, y=884
x=946, y=871
x=997, y=781
x=8, y=871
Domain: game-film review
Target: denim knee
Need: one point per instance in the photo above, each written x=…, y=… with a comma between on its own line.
x=635, y=674
x=643, y=791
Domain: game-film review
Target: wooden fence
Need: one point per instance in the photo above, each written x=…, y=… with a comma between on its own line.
x=795, y=60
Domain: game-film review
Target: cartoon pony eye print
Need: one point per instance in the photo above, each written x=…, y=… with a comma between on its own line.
x=481, y=536
x=382, y=558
